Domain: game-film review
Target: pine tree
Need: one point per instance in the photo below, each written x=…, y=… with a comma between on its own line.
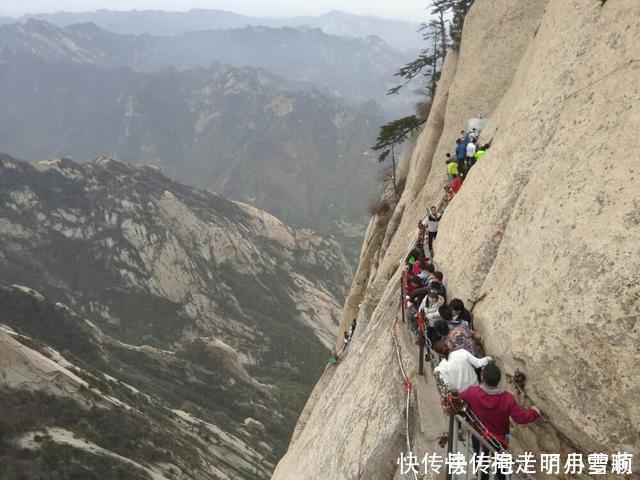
x=391, y=135
x=430, y=60
x=428, y=64
x=395, y=133
x=459, y=9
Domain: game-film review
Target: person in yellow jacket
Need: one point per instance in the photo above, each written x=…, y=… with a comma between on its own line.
x=452, y=166
x=480, y=152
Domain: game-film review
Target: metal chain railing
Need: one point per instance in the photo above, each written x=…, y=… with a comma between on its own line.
x=467, y=434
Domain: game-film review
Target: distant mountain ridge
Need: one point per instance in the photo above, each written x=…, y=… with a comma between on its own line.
x=356, y=70
x=237, y=131
x=400, y=34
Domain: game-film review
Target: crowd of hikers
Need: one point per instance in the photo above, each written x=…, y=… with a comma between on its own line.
x=446, y=326
x=468, y=152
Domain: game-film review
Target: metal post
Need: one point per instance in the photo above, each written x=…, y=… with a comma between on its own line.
x=421, y=352
x=468, y=448
x=402, y=300
x=421, y=341
x=452, y=422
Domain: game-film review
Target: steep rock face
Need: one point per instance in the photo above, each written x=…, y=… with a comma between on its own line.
x=188, y=273
x=541, y=239
x=553, y=256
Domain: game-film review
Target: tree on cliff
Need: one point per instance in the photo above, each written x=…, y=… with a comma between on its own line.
x=391, y=135
x=430, y=60
x=459, y=9
x=428, y=64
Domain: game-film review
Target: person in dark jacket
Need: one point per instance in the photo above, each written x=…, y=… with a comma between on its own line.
x=414, y=298
x=412, y=284
x=451, y=322
x=459, y=312
x=418, y=295
x=438, y=277
x=466, y=138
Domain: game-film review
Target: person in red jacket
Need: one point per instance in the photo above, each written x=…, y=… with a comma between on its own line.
x=456, y=184
x=494, y=406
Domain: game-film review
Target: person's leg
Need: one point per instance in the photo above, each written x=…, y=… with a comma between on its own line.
x=413, y=321
x=485, y=476
x=414, y=325
x=461, y=169
x=431, y=237
x=477, y=449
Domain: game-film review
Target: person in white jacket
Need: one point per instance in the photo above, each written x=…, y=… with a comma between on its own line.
x=471, y=154
x=430, y=306
x=457, y=368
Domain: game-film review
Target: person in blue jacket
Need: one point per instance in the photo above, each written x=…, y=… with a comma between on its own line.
x=461, y=154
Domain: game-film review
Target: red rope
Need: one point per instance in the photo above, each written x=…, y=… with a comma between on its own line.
x=407, y=385
x=420, y=320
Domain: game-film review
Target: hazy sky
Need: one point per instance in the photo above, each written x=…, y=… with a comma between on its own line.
x=403, y=9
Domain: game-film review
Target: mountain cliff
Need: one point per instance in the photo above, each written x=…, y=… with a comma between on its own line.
x=77, y=403
x=133, y=291
x=541, y=243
